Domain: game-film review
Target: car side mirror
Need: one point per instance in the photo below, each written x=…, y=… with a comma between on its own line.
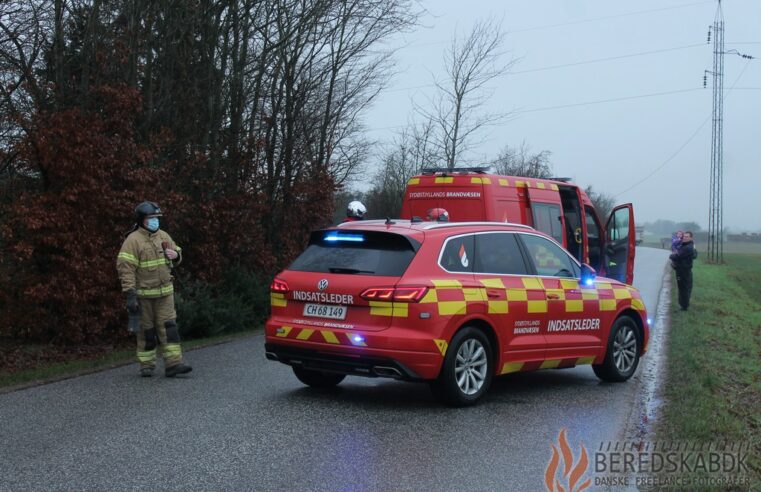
x=588, y=275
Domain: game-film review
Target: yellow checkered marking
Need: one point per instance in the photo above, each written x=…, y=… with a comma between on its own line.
x=550, y=364
x=504, y=182
x=447, y=284
x=638, y=304
x=607, y=304
x=448, y=308
x=278, y=300
x=517, y=295
x=622, y=293
x=493, y=283
x=413, y=181
x=477, y=180
x=444, y=180
x=305, y=334
x=442, y=345
x=498, y=307
x=574, y=306
x=381, y=308
x=532, y=283
x=283, y=331
x=585, y=360
x=473, y=295
x=509, y=367
x=540, y=185
x=520, y=184
x=329, y=336
x=537, y=306
x=553, y=187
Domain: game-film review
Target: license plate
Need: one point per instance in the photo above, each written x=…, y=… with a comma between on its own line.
x=325, y=311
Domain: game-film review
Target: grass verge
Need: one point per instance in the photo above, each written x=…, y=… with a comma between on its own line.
x=713, y=383
x=46, y=373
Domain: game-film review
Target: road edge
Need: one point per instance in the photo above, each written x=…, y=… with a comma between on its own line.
x=114, y=365
x=640, y=425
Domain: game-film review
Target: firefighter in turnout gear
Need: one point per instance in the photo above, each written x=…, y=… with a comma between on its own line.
x=145, y=264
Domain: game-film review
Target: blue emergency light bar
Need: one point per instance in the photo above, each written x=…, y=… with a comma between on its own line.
x=333, y=236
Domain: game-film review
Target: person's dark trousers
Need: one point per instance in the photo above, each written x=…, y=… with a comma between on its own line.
x=684, y=284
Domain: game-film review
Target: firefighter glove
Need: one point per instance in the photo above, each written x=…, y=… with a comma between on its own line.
x=132, y=305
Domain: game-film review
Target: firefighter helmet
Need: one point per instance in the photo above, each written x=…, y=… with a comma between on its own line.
x=356, y=210
x=147, y=209
x=438, y=214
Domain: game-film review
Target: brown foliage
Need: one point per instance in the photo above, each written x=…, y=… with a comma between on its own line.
x=60, y=240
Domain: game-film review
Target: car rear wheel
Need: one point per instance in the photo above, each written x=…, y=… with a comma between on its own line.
x=467, y=370
x=318, y=379
x=622, y=354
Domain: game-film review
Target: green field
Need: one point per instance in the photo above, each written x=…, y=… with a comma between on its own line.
x=713, y=384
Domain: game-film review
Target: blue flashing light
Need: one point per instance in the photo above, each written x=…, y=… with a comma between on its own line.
x=332, y=237
x=358, y=339
x=589, y=282
x=649, y=322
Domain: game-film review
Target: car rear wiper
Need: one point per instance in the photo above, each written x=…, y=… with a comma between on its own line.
x=347, y=270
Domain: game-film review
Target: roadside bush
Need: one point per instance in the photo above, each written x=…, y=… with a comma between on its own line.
x=238, y=302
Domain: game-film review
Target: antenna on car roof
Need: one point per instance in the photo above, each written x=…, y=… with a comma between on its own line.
x=456, y=170
x=389, y=221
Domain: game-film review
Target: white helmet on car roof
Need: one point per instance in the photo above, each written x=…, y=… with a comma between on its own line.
x=356, y=210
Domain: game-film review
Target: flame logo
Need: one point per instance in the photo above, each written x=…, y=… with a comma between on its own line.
x=463, y=256
x=571, y=472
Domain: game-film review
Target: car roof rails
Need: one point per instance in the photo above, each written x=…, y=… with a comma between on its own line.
x=456, y=170
x=562, y=180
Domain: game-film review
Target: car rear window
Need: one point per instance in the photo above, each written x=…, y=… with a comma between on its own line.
x=357, y=253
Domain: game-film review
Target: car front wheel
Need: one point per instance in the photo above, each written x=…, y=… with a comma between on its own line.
x=467, y=370
x=622, y=354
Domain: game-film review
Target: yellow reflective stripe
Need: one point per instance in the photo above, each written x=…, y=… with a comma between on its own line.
x=172, y=350
x=128, y=257
x=153, y=263
x=146, y=356
x=167, y=289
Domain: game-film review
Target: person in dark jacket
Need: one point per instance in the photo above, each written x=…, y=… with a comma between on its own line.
x=682, y=259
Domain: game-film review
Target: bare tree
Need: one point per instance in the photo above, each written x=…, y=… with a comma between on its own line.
x=520, y=161
x=471, y=62
x=603, y=202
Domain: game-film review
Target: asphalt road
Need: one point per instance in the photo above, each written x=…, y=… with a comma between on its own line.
x=241, y=422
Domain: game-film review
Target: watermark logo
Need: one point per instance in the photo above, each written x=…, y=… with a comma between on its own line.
x=572, y=471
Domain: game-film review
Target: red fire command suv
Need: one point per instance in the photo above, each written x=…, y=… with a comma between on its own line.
x=556, y=207
x=454, y=304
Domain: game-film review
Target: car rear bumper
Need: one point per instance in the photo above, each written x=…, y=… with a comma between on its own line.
x=395, y=353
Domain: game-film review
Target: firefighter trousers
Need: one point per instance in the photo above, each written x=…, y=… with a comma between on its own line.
x=158, y=328
x=684, y=284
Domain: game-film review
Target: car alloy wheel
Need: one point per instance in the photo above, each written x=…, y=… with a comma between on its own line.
x=471, y=366
x=625, y=348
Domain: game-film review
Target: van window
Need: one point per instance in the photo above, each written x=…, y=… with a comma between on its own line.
x=548, y=258
x=547, y=219
x=458, y=254
x=356, y=252
x=498, y=252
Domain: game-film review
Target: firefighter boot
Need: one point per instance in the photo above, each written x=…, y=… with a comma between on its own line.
x=172, y=371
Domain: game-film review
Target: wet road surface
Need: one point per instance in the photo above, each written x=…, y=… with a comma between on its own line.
x=243, y=423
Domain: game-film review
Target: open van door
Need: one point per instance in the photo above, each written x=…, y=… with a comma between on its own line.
x=619, y=244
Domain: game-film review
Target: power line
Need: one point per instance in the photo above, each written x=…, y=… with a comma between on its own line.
x=573, y=105
x=581, y=62
x=595, y=19
x=609, y=58
x=572, y=23
x=687, y=142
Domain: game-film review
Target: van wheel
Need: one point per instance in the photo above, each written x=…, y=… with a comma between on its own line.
x=622, y=353
x=468, y=369
x=318, y=379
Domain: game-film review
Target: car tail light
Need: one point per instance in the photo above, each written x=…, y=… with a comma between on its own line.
x=279, y=286
x=396, y=294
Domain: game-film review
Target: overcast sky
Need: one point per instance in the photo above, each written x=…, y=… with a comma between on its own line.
x=610, y=145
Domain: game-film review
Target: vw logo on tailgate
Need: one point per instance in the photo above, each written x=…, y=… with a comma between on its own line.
x=322, y=284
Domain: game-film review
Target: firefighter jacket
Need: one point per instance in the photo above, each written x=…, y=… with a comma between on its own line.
x=142, y=265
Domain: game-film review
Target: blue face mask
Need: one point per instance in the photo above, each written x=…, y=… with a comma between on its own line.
x=152, y=224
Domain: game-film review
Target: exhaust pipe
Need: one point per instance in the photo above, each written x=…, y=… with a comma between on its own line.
x=271, y=356
x=387, y=372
